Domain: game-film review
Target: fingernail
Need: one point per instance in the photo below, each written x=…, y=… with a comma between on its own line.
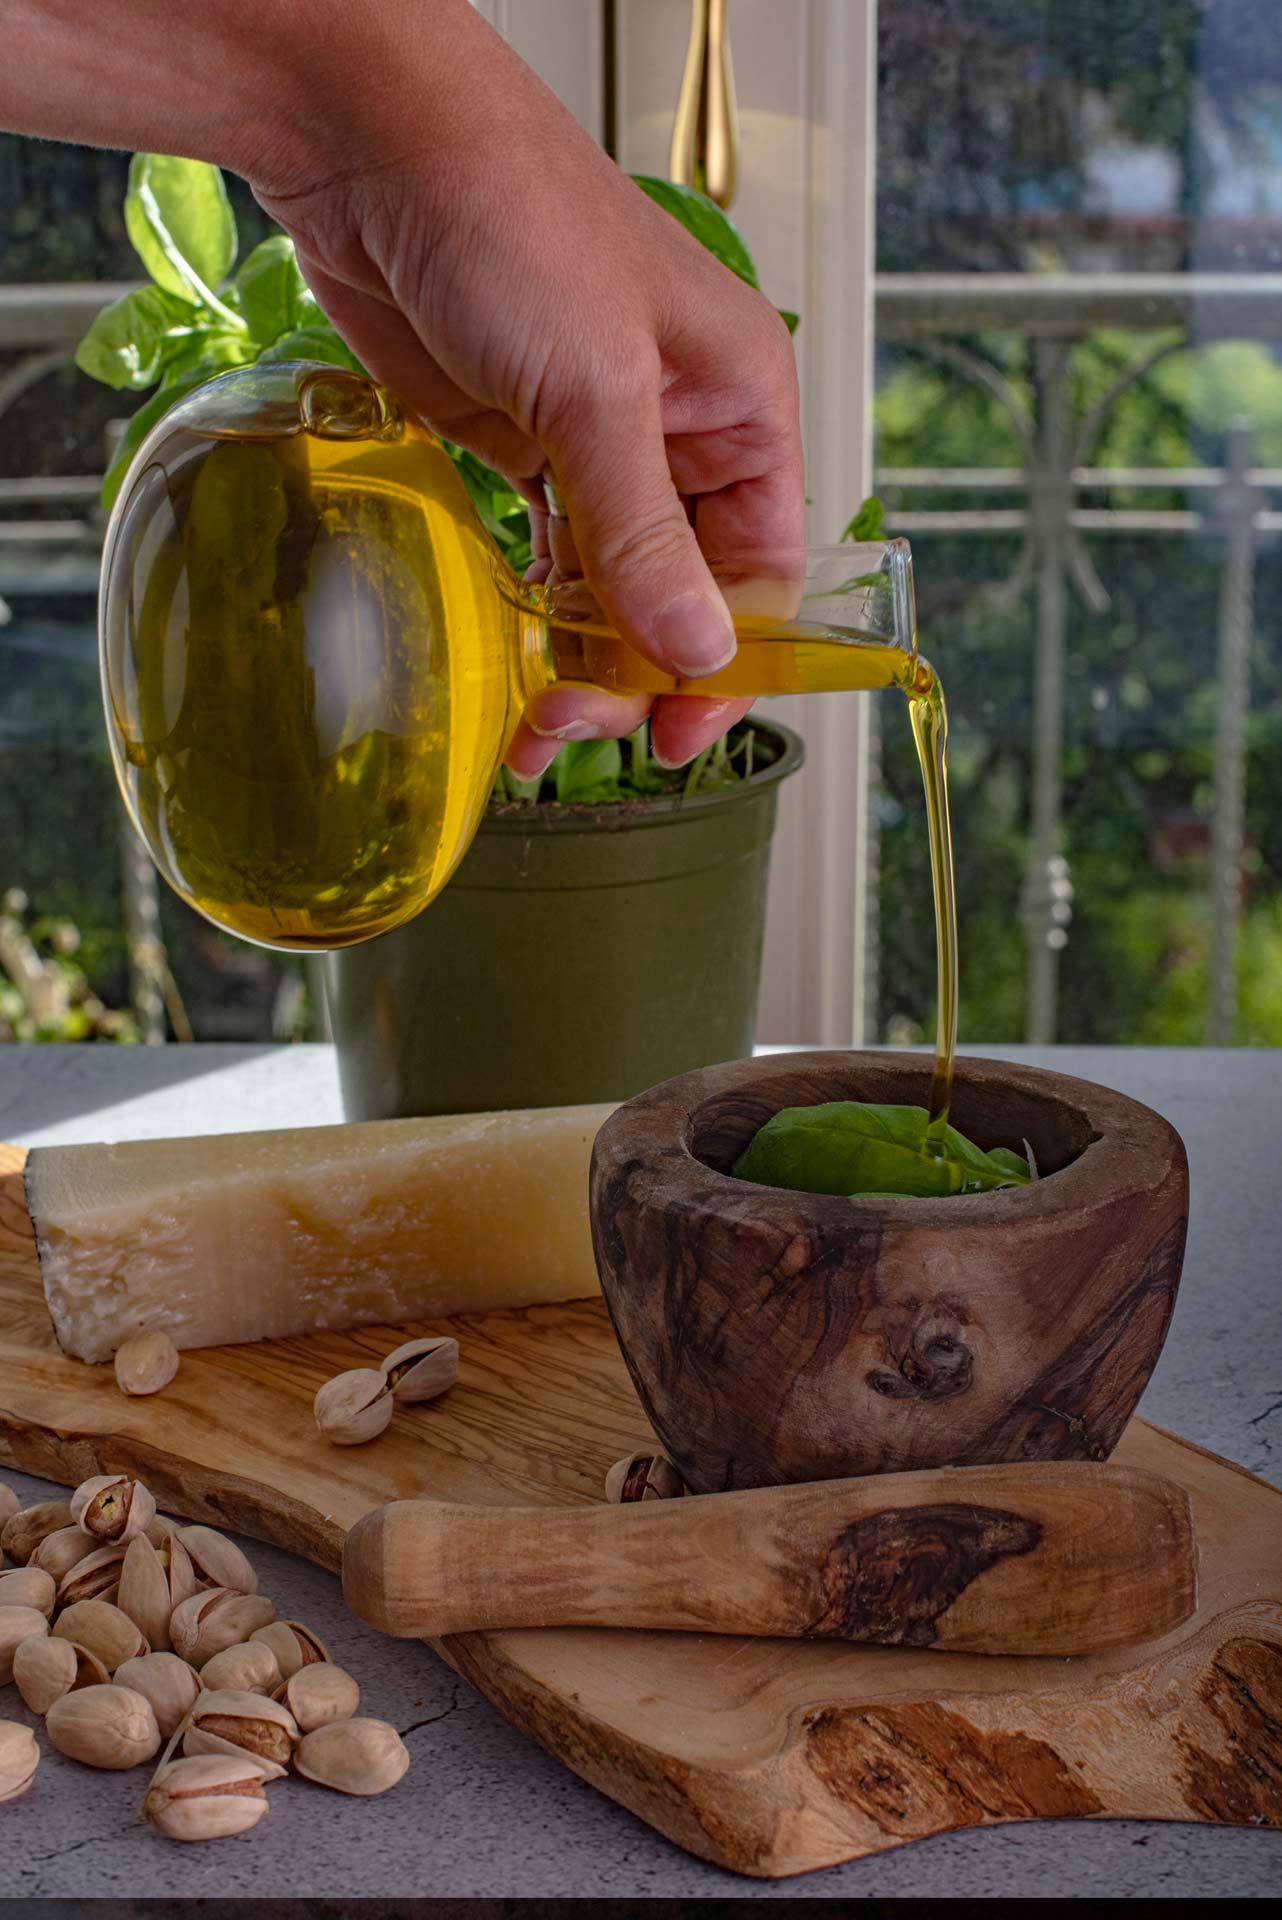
x=572, y=730
x=669, y=766
x=695, y=634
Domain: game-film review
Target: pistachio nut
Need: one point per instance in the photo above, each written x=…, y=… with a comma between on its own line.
x=43, y=1670
x=204, y=1742
x=643, y=1476
x=23, y=1531
x=422, y=1369
x=353, y=1756
x=206, y=1798
x=249, y=1667
x=104, y=1629
x=9, y=1503
x=293, y=1644
x=111, y=1727
x=218, y=1561
x=144, y=1591
x=318, y=1694
x=146, y=1362
x=260, y=1727
x=111, y=1506
x=214, y=1619
x=96, y=1577
x=28, y=1587
x=181, y=1574
x=60, y=1551
x=167, y=1682
x=161, y=1530
x=16, y=1625
x=354, y=1407
x=19, y=1758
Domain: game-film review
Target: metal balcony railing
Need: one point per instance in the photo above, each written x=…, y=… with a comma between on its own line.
x=1046, y=500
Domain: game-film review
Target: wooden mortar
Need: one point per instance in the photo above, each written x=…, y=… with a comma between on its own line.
x=776, y=1336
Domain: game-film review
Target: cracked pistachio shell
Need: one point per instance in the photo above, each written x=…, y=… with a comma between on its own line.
x=96, y=1577
x=215, y=1619
x=217, y=1561
x=167, y=1682
x=146, y=1362
x=58, y=1552
x=293, y=1644
x=112, y=1507
x=422, y=1369
x=9, y=1503
x=108, y=1633
x=260, y=1727
x=19, y=1758
x=249, y=1667
x=111, y=1727
x=144, y=1592
x=318, y=1694
x=643, y=1476
x=354, y=1407
x=181, y=1574
x=23, y=1531
x=197, y=1743
x=353, y=1756
x=161, y=1530
x=206, y=1798
x=28, y=1587
x=16, y=1625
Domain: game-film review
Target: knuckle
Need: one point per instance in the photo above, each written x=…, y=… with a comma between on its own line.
x=638, y=548
x=595, y=384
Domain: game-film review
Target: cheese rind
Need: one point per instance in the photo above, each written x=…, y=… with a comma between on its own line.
x=254, y=1236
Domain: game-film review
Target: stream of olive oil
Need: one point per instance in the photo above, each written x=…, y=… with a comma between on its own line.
x=310, y=676
x=773, y=658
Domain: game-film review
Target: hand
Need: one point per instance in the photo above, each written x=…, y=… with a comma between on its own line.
x=492, y=266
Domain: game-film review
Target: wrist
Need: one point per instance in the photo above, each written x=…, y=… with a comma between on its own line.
x=373, y=83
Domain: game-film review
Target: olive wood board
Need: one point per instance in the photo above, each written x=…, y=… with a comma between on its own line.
x=768, y=1757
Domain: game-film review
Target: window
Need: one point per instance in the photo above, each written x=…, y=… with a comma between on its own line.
x=91, y=945
x=1079, y=426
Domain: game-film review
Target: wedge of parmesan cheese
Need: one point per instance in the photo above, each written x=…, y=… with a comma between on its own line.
x=252, y=1236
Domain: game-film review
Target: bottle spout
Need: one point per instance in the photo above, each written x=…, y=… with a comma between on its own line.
x=857, y=595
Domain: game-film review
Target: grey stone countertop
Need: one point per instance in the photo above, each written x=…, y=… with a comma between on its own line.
x=485, y=1812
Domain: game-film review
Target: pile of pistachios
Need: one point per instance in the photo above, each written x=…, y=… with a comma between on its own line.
x=126, y=1630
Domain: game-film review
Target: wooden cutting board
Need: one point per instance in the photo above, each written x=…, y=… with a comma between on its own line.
x=768, y=1757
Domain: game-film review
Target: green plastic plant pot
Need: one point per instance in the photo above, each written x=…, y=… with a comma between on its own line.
x=578, y=954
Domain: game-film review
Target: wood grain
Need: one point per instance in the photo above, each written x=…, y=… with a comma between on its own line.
x=776, y=1336
x=769, y=1757
x=979, y=1559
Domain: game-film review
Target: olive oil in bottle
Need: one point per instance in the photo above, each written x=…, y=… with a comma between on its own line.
x=313, y=658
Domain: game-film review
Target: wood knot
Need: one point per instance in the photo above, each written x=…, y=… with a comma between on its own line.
x=890, y=1576
x=926, y=1355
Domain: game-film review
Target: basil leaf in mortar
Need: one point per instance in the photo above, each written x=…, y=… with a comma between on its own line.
x=855, y=1147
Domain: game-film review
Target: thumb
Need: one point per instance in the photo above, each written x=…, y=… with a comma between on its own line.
x=636, y=545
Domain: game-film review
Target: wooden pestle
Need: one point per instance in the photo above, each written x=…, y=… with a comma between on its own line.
x=1041, y=1558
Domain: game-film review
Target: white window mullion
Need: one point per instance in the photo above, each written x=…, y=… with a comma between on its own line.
x=805, y=78
x=562, y=41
